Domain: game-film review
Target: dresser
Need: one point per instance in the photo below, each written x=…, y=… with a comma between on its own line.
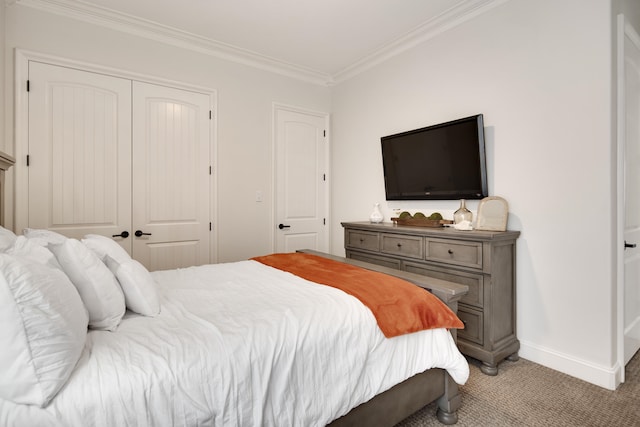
x=482, y=260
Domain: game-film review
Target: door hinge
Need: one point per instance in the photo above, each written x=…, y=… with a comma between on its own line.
x=27, y=160
x=28, y=86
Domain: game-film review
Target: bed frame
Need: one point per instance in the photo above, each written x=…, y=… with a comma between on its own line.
x=404, y=399
x=6, y=161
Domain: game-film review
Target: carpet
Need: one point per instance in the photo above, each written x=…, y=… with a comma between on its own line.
x=527, y=394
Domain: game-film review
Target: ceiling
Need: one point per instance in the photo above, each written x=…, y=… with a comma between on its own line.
x=325, y=40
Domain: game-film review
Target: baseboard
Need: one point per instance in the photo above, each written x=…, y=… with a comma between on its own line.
x=604, y=376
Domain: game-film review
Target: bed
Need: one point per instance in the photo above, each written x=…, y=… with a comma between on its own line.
x=247, y=343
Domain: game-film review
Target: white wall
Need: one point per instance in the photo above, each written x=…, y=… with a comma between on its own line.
x=6, y=144
x=4, y=54
x=245, y=97
x=2, y=75
x=540, y=72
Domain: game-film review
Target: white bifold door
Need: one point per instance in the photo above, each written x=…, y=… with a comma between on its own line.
x=120, y=158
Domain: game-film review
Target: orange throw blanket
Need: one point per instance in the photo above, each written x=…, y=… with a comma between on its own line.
x=399, y=307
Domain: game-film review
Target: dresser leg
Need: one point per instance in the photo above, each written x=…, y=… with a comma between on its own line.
x=488, y=369
x=513, y=357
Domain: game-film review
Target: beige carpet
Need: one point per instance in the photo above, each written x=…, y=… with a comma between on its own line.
x=527, y=394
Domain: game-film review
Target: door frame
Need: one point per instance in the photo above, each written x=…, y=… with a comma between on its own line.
x=327, y=208
x=21, y=123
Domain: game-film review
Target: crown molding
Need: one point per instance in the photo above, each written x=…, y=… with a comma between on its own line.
x=78, y=9
x=151, y=30
x=426, y=31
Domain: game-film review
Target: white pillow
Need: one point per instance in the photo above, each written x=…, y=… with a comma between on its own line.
x=43, y=237
x=44, y=328
x=25, y=248
x=103, y=246
x=140, y=293
x=7, y=239
x=97, y=286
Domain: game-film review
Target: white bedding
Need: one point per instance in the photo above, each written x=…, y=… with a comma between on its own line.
x=238, y=344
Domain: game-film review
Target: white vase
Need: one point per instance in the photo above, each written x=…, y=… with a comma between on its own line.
x=376, y=216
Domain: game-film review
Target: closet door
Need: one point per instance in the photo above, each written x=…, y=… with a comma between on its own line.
x=171, y=176
x=79, y=152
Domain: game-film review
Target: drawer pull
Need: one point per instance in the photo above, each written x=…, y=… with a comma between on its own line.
x=450, y=252
x=361, y=240
x=399, y=245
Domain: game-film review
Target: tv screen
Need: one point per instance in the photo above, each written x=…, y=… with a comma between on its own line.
x=440, y=162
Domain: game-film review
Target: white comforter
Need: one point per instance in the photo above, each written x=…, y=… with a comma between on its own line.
x=238, y=344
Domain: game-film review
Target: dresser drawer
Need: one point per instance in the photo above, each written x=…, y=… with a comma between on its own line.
x=458, y=252
x=475, y=282
x=401, y=245
x=473, y=325
x=362, y=240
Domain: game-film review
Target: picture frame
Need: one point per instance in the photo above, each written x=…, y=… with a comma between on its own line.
x=493, y=213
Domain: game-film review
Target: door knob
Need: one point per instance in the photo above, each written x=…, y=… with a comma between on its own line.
x=139, y=233
x=281, y=226
x=124, y=235
x=629, y=245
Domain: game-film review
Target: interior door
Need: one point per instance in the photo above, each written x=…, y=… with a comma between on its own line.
x=79, y=151
x=171, y=176
x=301, y=204
x=631, y=194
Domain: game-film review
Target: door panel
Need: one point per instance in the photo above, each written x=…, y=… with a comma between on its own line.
x=79, y=152
x=295, y=241
x=171, y=175
x=301, y=194
x=631, y=198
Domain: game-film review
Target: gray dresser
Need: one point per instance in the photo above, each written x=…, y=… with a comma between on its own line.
x=482, y=260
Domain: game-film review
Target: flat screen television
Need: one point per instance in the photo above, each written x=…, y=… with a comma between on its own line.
x=440, y=162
